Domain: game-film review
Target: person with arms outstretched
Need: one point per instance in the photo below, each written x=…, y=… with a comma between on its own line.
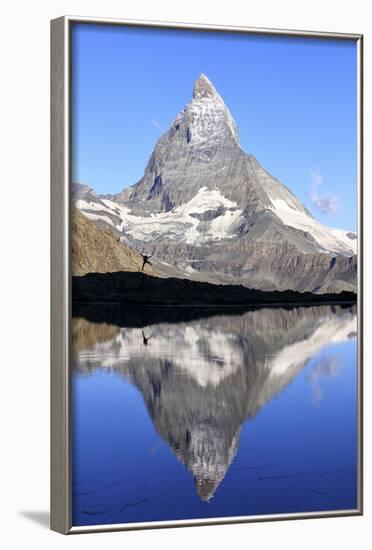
x=145, y=340
x=145, y=260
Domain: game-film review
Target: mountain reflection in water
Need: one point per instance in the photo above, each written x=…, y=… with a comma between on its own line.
x=202, y=379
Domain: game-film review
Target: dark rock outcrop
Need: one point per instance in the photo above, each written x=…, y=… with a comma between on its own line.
x=138, y=288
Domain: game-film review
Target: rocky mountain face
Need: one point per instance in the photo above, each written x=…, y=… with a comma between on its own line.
x=211, y=210
x=202, y=379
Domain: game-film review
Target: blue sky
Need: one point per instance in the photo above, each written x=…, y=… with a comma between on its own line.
x=294, y=101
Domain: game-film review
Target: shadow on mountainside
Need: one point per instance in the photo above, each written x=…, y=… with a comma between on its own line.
x=131, y=288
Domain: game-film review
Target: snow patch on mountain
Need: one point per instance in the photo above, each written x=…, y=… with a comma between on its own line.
x=222, y=351
x=329, y=240
x=180, y=223
x=97, y=211
x=329, y=331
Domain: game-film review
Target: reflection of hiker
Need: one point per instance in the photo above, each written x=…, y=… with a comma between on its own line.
x=145, y=340
x=145, y=260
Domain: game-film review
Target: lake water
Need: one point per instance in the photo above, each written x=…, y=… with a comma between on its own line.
x=184, y=413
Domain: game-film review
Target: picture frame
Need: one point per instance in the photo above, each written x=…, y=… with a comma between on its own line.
x=61, y=274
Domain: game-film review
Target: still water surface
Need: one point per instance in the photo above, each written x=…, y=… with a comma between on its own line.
x=196, y=413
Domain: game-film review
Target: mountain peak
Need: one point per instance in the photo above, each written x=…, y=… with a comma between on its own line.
x=208, y=118
x=203, y=87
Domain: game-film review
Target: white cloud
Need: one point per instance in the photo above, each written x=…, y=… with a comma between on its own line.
x=326, y=204
x=328, y=367
x=156, y=125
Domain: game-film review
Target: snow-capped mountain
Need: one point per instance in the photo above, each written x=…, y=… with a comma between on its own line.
x=207, y=207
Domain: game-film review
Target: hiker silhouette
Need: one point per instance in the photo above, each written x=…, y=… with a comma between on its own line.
x=145, y=260
x=145, y=340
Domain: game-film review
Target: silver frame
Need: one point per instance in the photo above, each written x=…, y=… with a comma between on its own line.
x=61, y=497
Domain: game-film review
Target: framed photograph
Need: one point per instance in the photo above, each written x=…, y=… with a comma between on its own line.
x=206, y=274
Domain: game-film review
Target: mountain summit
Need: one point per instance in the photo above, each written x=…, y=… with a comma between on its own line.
x=203, y=87
x=208, y=208
x=207, y=115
